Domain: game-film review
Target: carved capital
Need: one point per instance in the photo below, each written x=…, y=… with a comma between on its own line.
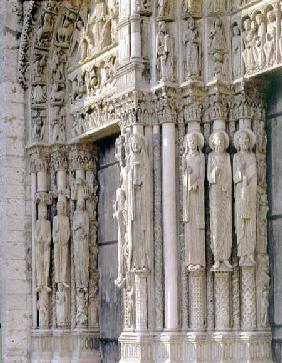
x=39, y=160
x=82, y=157
x=59, y=160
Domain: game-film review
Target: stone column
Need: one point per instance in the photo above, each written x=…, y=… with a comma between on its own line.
x=141, y=301
x=248, y=298
x=222, y=300
x=83, y=192
x=41, y=240
x=169, y=225
x=158, y=227
x=197, y=301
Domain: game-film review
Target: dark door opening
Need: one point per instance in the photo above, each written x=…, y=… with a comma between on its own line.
x=110, y=295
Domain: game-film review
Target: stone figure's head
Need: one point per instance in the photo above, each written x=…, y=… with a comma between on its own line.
x=219, y=141
x=244, y=140
x=163, y=27
x=271, y=17
x=254, y=26
x=61, y=208
x=218, y=23
x=259, y=19
x=191, y=23
x=42, y=212
x=193, y=141
x=235, y=29
x=136, y=144
x=247, y=24
x=80, y=205
x=48, y=18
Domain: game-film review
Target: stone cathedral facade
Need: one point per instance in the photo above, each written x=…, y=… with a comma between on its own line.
x=173, y=96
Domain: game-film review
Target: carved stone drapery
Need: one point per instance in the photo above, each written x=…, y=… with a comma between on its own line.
x=193, y=201
x=83, y=86
x=220, y=180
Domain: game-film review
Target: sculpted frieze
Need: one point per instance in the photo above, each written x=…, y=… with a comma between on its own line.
x=144, y=7
x=218, y=50
x=260, y=34
x=58, y=123
x=236, y=45
x=93, y=80
x=165, y=9
x=193, y=54
x=45, y=30
x=165, y=53
x=192, y=7
x=39, y=68
x=38, y=94
x=38, y=120
x=65, y=30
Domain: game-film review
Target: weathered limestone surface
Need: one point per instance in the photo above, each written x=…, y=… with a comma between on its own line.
x=274, y=120
x=133, y=181
x=15, y=206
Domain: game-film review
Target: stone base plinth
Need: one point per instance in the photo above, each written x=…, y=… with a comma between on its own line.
x=136, y=347
x=196, y=347
x=86, y=346
x=42, y=346
x=62, y=346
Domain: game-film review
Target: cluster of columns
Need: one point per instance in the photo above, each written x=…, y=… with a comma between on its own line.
x=64, y=287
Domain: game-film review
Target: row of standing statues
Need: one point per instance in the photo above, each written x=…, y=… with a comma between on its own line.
x=219, y=175
x=60, y=233
x=132, y=203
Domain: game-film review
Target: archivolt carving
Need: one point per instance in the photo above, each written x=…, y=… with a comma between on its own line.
x=81, y=82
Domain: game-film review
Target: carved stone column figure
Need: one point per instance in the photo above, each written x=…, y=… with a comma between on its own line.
x=194, y=201
x=61, y=236
x=43, y=244
x=220, y=179
x=245, y=179
x=120, y=213
x=137, y=202
x=81, y=191
x=81, y=259
x=165, y=53
x=263, y=285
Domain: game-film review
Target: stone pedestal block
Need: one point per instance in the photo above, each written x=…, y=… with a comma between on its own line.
x=42, y=346
x=86, y=346
x=62, y=346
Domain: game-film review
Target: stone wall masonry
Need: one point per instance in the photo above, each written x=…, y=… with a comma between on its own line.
x=15, y=286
